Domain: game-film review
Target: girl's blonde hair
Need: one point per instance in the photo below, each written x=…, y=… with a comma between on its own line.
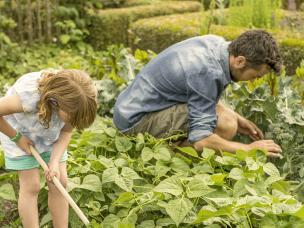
x=73, y=92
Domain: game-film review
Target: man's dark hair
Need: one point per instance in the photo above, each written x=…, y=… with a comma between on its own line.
x=258, y=47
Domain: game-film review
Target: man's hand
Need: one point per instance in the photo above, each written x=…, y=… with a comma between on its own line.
x=247, y=127
x=273, y=149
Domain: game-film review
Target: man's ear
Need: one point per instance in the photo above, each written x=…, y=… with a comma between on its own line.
x=239, y=62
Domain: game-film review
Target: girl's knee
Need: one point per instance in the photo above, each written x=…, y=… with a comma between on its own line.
x=31, y=189
x=29, y=181
x=52, y=186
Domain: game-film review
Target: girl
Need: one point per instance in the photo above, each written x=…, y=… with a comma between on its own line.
x=41, y=109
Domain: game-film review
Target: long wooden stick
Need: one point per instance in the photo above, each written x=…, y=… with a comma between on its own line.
x=60, y=187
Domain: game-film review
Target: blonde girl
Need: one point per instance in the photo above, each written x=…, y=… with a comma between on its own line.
x=41, y=109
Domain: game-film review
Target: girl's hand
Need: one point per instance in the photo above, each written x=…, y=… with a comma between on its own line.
x=53, y=171
x=24, y=144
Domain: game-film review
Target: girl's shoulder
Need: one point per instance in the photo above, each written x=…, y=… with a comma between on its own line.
x=28, y=82
x=26, y=87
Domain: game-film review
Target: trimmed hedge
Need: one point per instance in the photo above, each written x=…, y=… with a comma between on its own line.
x=111, y=26
x=129, y=3
x=159, y=33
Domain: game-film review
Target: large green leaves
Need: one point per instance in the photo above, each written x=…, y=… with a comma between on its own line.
x=170, y=185
x=178, y=209
x=7, y=192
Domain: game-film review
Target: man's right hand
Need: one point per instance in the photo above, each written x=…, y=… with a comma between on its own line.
x=274, y=150
x=24, y=144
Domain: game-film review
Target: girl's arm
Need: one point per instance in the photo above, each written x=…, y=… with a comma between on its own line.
x=10, y=105
x=58, y=150
x=62, y=143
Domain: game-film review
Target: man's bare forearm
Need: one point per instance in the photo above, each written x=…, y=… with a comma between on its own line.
x=216, y=142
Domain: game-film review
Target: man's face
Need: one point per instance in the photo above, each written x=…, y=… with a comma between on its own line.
x=242, y=72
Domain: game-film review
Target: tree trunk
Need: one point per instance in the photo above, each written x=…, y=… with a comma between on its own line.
x=29, y=21
x=292, y=5
x=58, y=32
x=48, y=21
x=39, y=25
x=20, y=21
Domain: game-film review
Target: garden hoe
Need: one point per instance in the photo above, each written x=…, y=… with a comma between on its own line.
x=60, y=187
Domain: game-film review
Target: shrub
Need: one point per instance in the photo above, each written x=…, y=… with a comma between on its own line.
x=160, y=32
x=111, y=26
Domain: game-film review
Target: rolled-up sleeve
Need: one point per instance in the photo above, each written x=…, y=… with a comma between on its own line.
x=202, y=92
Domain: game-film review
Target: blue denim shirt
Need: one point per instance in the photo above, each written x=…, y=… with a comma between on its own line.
x=194, y=71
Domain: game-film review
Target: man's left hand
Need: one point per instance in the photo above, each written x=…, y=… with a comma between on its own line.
x=247, y=127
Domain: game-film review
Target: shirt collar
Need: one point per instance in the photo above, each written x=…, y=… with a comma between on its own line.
x=224, y=61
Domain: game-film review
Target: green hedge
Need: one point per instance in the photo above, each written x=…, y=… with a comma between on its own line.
x=129, y=3
x=158, y=33
x=111, y=26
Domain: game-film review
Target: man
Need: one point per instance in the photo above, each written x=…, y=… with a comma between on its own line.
x=180, y=89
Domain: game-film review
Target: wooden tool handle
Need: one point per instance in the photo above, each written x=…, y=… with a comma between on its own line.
x=60, y=187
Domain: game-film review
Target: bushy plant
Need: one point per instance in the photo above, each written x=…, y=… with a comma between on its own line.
x=253, y=13
x=121, y=181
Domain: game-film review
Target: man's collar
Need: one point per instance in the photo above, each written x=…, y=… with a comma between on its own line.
x=224, y=61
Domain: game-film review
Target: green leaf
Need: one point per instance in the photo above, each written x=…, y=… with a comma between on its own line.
x=202, y=168
x=188, y=150
x=251, y=190
x=178, y=209
x=208, y=153
x=7, y=192
x=129, y=173
x=107, y=163
x=124, y=197
x=271, y=170
x=222, y=202
x=64, y=39
x=110, y=132
x=146, y=224
x=110, y=175
x=91, y=182
x=179, y=165
x=236, y=174
x=124, y=183
x=161, y=168
x=170, y=185
x=110, y=221
x=125, y=225
x=197, y=188
x=147, y=154
x=239, y=188
x=206, y=213
x=123, y=144
x=162, y=153
x=164, y=222
x=241, y=154
x=73, y=183
x=272, y=179
x=300, y=213
x=252, y=165
x=218, y=178
x=226, y=160
x=120, y=162
x=45, y=219
x=140, y=142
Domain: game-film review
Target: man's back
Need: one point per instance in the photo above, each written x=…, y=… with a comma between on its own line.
x=181, y=73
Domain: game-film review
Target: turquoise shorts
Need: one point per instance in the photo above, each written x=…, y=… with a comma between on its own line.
x=29, y=161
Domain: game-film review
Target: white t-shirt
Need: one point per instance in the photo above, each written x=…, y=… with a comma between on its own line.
x=26, y=87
